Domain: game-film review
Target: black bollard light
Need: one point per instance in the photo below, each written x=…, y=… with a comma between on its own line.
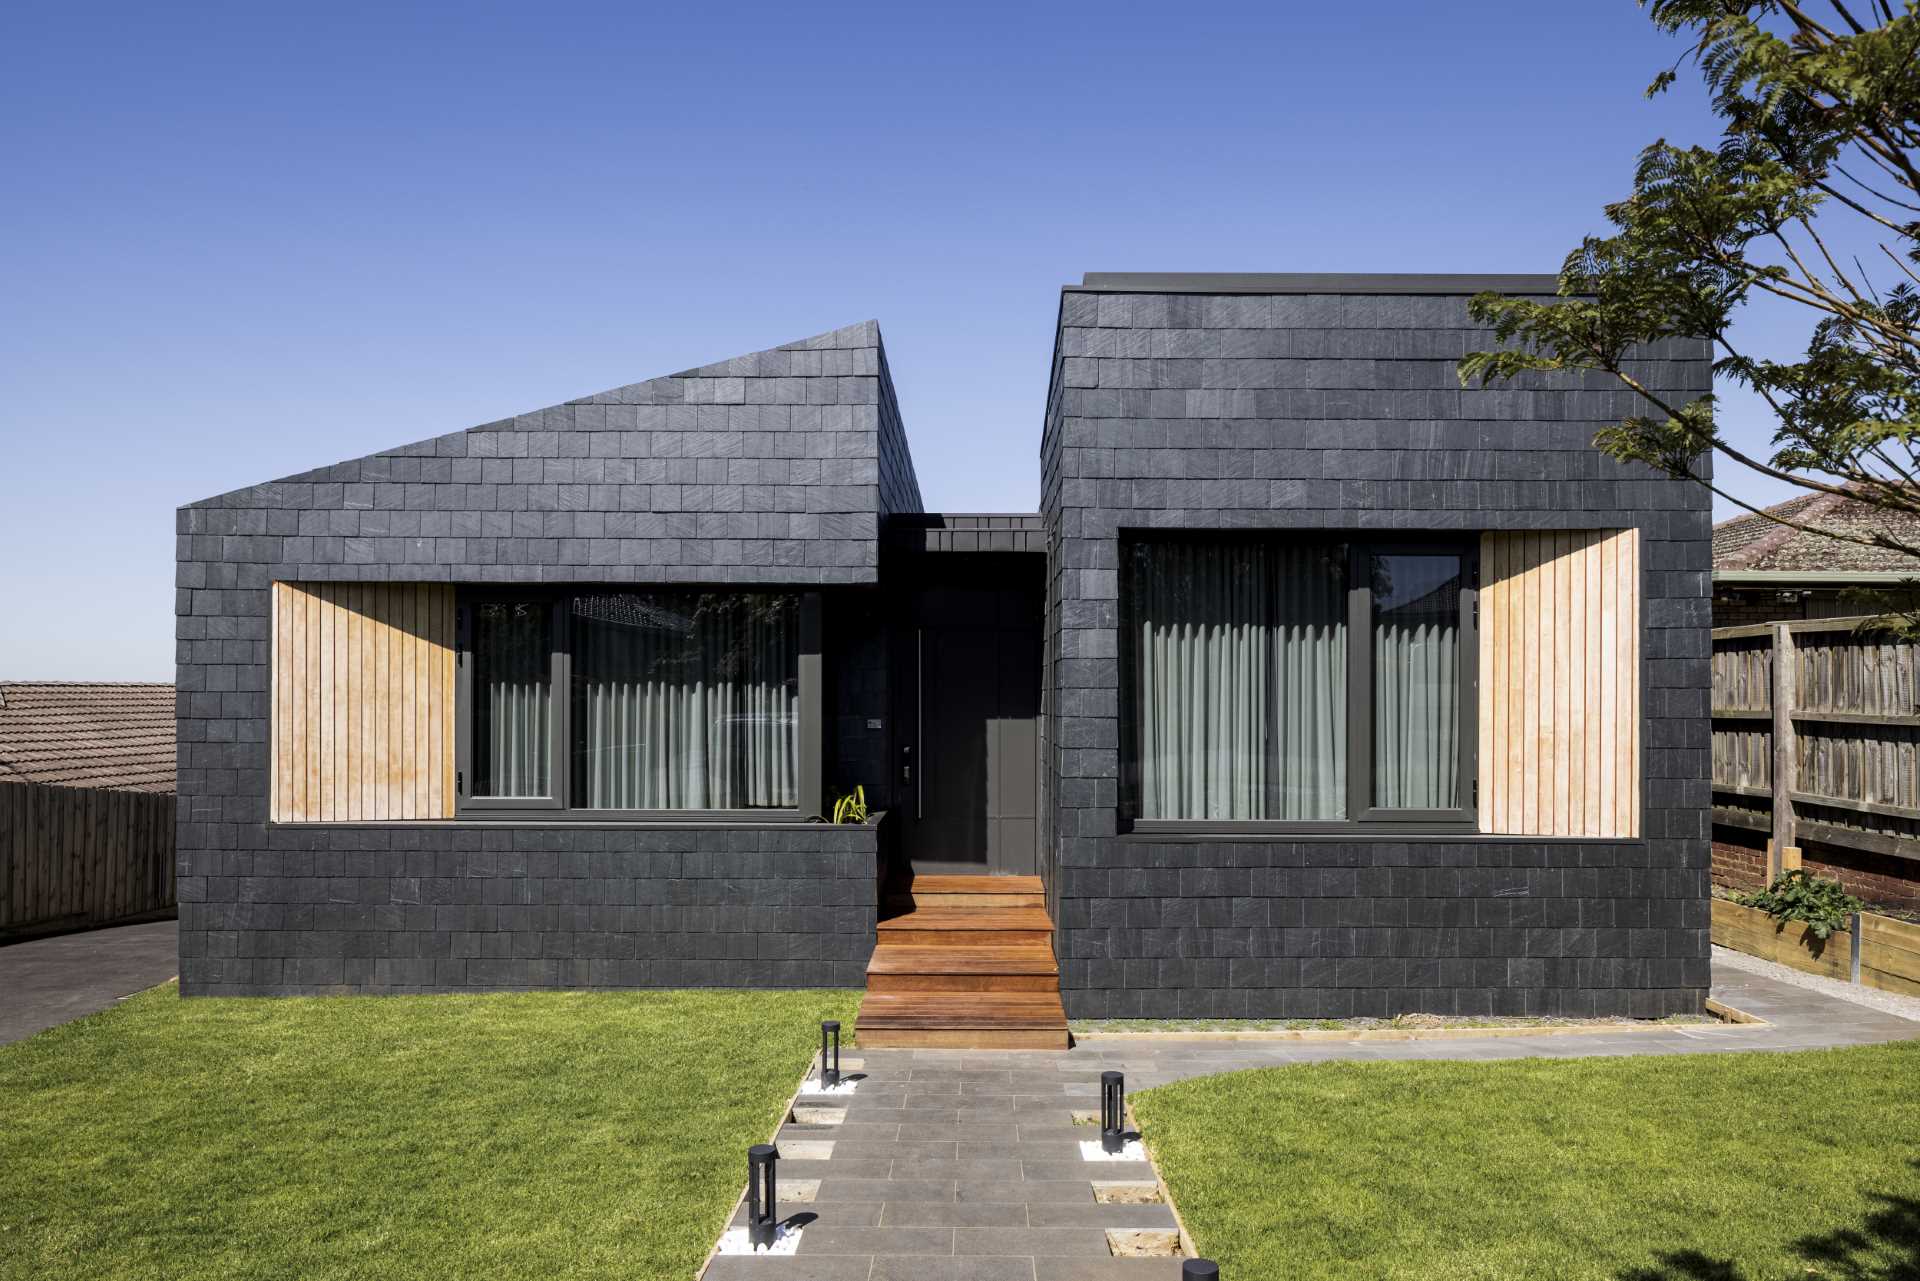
x=829, y=1067
x=1199, y=1270
x=763, y=1197
x=1113, y=1111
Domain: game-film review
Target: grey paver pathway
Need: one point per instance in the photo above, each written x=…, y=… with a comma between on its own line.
x=46, y=982
x=965, y=1165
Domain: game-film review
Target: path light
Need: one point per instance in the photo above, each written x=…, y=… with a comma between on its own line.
x=829, y=1067
x=1113, y=1111
x=1199, y=1270
x=762, y=1197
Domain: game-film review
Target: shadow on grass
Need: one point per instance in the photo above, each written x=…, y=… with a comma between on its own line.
x=1886, y=1248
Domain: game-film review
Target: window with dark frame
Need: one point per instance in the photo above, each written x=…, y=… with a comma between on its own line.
x=1297, y=684
x=610, y=703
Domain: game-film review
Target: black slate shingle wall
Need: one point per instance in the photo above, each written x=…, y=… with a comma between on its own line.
x=774, y=468
x=1343, y=412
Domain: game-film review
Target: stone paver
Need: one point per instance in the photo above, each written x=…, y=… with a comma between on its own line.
x=1907, y=1007
x=46, y=982
x=959, y=1165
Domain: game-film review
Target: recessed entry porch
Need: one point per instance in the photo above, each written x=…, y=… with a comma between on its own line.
x=965, y=945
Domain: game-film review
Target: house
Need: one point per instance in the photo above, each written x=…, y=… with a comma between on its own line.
x=86, y=804
x=1318, y=686
x=1768, y=572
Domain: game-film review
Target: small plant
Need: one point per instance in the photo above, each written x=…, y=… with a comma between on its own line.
x=1796, y=896
x=851, y=808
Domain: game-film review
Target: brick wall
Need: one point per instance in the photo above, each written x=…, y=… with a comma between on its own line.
x=1740, y=863
x=1343, y=412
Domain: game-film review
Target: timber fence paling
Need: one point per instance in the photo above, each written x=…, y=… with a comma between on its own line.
x=1816, y=730
x=82, y=856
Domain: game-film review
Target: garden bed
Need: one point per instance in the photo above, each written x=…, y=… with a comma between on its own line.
x=1889, y=949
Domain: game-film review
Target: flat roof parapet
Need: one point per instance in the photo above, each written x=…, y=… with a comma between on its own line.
x=1263, y=282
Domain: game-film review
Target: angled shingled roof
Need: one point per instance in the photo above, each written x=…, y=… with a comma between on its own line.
x=1752, y=543
x=73, y=734
x=775, y=466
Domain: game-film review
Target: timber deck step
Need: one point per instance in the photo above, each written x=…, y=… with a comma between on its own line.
x=968, y=891
x=970, y=965
x=988, y=885
x=963, y=1020
x=894, y=959
x=969, y=926
x=1029, y=968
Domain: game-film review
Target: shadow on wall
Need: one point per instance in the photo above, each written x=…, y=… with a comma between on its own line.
x=1886, y=1248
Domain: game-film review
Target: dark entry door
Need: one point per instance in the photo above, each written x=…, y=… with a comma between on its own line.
x=968, y=665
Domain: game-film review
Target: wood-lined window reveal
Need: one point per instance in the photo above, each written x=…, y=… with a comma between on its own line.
x=363, y=702
x=1560, y=683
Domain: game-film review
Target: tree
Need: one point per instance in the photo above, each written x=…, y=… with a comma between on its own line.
x=1812, y=201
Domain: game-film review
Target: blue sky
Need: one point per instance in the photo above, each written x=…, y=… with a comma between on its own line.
x=241, y=241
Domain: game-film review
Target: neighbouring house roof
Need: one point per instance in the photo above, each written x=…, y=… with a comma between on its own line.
x=87, y=734
x=1753, y=545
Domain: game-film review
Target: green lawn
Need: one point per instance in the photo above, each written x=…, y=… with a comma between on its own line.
x=1717, y=1167
x=512, y=1136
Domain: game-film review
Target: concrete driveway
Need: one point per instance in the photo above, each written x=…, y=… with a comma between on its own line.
x=46, y=982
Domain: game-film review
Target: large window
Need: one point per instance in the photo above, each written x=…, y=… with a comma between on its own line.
x=1298, y=683
x=632, y=701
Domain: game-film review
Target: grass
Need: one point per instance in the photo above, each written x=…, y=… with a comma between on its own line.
x=524, y=1135
x=1736, y=1167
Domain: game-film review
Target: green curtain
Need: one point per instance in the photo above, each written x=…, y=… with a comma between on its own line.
x=685, y=700
x=1241, y=680
x=513, y=699
x=1416, y=682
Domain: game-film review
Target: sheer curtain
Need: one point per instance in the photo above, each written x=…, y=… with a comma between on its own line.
x=1240, y=680
x=1310, y=686
x=686, y=700
x=513, y=699
x=1416, y=681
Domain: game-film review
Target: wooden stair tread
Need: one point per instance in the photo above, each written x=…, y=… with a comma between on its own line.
x=894, y=958
x=967, y=964
x=962, y=1010
x=976, y=885
x=970, y=918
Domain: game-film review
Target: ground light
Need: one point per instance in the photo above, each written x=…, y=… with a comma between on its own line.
x=1113, y=1111
x=1199, y=1270
x=829, y=1068
x=762, y=1196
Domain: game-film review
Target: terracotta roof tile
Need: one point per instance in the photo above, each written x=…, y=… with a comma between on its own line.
x=88, y=734
x=1752, y=542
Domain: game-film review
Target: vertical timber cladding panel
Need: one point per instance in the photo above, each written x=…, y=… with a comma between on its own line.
x=362, y=700
x=1560, y=696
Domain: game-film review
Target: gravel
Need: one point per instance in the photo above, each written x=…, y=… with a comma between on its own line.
x=1907, y=1007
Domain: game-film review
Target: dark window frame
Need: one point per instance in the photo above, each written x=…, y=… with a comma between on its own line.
x=1364, y=818
x=559, y=807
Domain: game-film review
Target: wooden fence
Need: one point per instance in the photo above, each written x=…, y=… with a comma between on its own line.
x=1816, y=736
x=78, y=856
